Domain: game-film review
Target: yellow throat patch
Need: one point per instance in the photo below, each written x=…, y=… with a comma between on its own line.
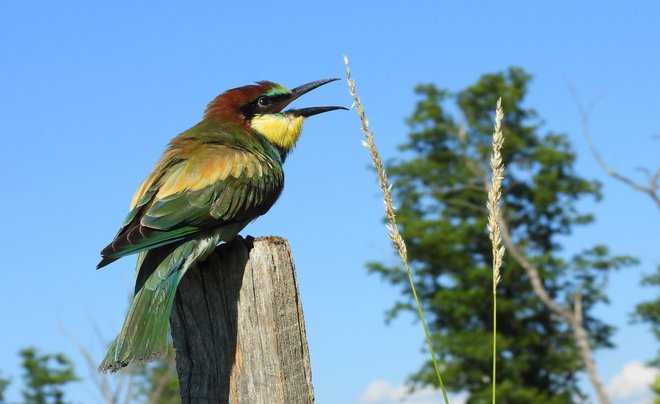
x=281, y=130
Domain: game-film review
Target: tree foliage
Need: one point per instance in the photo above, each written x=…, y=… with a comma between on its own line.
x=4, y=383
x=649, y=312
x=441, y=197
x=45, y=376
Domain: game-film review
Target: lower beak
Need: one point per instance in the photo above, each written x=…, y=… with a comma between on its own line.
x=307, y=112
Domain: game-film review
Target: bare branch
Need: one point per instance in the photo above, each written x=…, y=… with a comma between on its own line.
x=570, y=317
x=577, y=308
x=652, y=189
x=101, y=381
x=471, y=164
x=169, y=372
x=460, y=202
x=533, y=274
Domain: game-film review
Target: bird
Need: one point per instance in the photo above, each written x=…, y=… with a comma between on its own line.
x=210, y=182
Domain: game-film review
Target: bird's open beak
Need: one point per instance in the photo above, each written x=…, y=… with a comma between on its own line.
x=305, y=88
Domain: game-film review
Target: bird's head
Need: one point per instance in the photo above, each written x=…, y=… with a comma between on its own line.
x=259, y=107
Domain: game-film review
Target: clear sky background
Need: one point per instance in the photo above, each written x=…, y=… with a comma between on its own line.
x=90, y=94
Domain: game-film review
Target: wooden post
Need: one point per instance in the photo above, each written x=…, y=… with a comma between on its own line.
x=238, y=327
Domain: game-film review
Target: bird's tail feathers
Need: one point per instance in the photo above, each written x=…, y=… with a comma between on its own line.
x=143, y=337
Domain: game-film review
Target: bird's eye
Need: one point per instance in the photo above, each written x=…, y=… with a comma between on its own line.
x=263, y=102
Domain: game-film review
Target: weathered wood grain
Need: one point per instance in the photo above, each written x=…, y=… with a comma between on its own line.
x=238, y=327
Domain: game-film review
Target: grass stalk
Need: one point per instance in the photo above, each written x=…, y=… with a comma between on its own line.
x=392, y=225
x=494, y=231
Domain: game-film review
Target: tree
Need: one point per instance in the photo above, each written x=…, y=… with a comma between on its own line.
x=649, y=312
x=4, y=383
x=440, y=191
x=45, y=375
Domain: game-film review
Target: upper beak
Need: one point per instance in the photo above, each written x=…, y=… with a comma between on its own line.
x=305, y=88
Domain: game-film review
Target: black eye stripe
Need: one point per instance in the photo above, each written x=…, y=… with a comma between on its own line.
x=254, y=107
x=273, y=98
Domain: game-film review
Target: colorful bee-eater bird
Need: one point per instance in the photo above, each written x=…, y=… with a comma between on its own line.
x=212, y=180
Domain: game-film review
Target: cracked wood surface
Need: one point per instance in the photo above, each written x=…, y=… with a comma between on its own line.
x=238, y=327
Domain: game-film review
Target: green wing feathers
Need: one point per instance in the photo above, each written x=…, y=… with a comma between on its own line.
x=187, y=196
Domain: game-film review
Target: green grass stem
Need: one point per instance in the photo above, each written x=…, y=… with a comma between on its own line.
x=392, y=226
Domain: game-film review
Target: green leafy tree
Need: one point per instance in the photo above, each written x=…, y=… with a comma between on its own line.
x=649, y=312
x=45, y=376
x=439, y=187
x=4, y=383
x=655, y=388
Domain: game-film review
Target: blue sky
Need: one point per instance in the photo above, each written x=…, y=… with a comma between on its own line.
x=91, y=93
